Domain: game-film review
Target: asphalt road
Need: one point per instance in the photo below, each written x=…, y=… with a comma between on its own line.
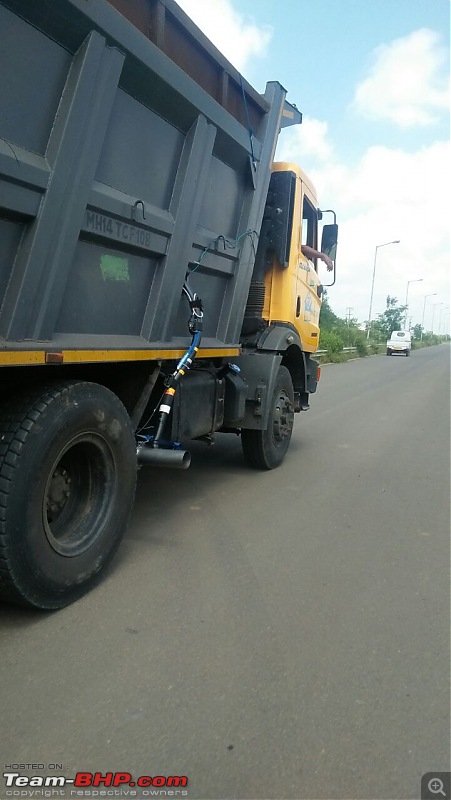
x=268, y=635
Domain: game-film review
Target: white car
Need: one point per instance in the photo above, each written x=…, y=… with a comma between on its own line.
x=399, y=342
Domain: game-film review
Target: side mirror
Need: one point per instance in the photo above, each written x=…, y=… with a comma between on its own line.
x=329, y=241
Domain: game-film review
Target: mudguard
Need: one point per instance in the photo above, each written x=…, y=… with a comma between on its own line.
x=259, y=370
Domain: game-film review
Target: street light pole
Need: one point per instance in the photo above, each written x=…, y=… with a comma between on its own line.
x=434, y=294
x=395, y=241
x=433, y=314
x=415, y=280
x=445, y=309
x=349, y=311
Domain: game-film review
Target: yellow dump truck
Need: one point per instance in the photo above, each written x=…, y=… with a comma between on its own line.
x=153, y=288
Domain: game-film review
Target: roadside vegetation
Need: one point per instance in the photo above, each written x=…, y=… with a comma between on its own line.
x=339, y=334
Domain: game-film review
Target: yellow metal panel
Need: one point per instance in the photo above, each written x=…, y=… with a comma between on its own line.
x=29, y=357
x=22, y=357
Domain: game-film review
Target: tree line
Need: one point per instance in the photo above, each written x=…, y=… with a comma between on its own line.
x=338, y=333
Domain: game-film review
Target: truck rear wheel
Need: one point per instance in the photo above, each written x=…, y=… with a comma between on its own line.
x=67, y=484
x=266, y=449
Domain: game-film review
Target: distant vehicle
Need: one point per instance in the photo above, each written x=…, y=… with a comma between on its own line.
x=399, y=342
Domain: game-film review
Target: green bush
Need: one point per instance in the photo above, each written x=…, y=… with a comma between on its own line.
x=330, y=342
x=361, y=347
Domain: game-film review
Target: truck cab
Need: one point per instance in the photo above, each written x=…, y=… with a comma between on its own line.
x=292, y=284
x=289, y=281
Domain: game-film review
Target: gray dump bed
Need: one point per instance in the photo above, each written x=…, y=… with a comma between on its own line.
x=119, y=168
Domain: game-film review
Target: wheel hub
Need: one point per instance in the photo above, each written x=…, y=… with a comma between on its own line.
x=283, y=417
x=76, y=492
x=59, y=491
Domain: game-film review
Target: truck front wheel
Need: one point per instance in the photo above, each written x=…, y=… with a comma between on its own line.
x=67, y=484
x=266, y=449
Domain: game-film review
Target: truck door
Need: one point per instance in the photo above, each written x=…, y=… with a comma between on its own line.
x=308, y=303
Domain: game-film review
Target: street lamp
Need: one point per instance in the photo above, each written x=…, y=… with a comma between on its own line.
x=433, y=313
x=395, y=241
x=442, y=310
x=415, y=280
x=434, y=294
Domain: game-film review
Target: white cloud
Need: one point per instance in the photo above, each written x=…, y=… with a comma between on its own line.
x=238, y=37
x=387, y=194
x=408, y=81
x=307, y=140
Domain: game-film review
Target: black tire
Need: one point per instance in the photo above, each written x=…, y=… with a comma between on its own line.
x=389, y=352
x=67, y=484
x=267, y=449
x=407, y=352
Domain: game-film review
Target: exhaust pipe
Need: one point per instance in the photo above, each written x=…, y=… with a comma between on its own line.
x=177, y=459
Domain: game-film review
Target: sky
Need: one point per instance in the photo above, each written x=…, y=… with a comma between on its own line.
x=371, y=78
